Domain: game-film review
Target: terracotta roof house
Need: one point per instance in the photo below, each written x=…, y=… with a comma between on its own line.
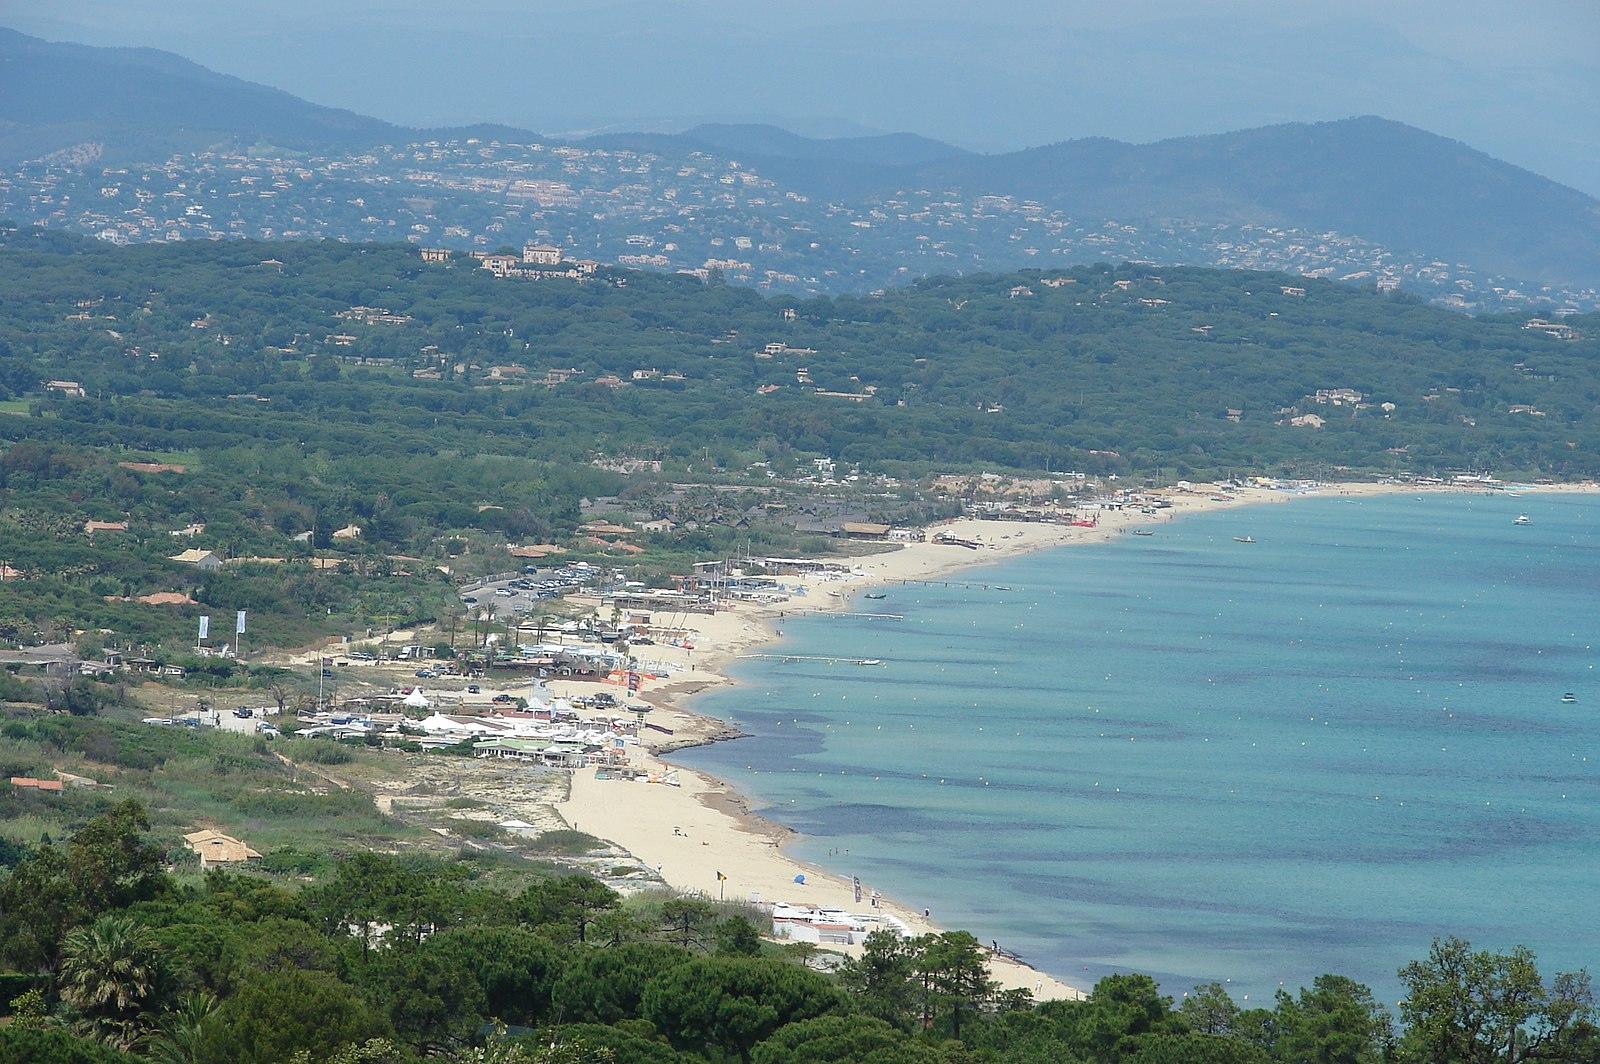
x=214, y=848
x=536, y=550
x=29, y=783
x=91, y=527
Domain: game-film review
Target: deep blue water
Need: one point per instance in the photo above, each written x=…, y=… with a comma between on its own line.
x=1202, y=759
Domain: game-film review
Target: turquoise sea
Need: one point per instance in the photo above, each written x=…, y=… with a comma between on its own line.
x=1204, y=759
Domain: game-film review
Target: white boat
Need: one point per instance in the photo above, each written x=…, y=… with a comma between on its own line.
x=1244, y=539
x=1523, y=519
x=1569, y=698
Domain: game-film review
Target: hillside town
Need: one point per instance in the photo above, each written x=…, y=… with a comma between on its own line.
x=700, y=214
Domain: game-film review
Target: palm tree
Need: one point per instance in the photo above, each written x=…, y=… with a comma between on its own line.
x=179, y=1037
x=109, y=972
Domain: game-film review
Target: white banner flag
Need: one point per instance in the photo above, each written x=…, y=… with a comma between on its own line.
x=238, y=622
x=205, y=626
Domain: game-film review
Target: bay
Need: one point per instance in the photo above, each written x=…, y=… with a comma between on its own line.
x=1205, y=759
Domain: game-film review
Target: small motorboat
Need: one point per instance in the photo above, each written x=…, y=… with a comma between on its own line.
x=1569, y=698
x=1244, y=539
x=874, y=596
x=1143, y=532
x=1523, y=519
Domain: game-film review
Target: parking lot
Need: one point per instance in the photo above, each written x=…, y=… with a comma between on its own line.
x=515, y=595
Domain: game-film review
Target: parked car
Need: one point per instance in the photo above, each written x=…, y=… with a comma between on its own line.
x=472, y=689
x=502, y=698
x=425, y=674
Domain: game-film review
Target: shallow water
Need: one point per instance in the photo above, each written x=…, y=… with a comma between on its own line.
x=1202, y=759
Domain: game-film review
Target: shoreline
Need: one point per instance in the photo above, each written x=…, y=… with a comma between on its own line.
x=705, y=826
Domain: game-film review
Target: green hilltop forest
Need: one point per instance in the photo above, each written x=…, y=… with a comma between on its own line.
x=301, y=387
x=1123, y=370
x=116, y=957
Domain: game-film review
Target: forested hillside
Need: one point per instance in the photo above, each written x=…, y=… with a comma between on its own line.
x=1126, y=369
x=253, y=399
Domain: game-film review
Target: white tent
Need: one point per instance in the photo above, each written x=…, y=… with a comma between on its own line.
x=416, y=699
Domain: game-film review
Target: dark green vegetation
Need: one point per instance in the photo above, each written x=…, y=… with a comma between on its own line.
x=387, y=960
x=1141, y=362
x=203, y=357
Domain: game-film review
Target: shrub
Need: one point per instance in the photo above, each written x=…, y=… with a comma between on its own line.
x=565, y=842
x=477, y=829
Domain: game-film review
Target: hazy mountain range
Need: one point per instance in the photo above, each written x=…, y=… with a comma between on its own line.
x=1517, y=80
x=1367, y=178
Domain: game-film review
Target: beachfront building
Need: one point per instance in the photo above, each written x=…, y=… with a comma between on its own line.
x=568, y=755
x=864, y=530
x=832, y=927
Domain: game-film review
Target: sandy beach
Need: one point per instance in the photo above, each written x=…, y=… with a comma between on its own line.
x=691, y=832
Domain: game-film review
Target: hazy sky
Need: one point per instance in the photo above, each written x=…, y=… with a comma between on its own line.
x=1519, y=79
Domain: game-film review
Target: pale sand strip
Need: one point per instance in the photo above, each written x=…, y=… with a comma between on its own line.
x=692, y=832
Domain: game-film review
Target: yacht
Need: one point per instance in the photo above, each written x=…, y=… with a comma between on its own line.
x=1523, y=519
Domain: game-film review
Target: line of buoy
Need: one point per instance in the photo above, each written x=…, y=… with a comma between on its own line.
x=815, y=657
